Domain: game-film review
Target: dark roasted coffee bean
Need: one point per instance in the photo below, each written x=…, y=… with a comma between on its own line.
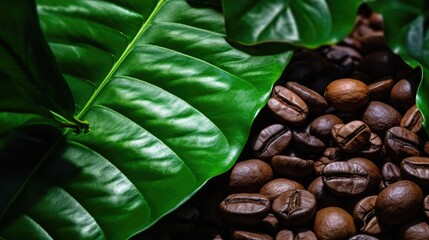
x=294, y=207
x=296, y=234
x=275, y=187
x=246, y=235
x=372, y=149
x=324, y=197
x=316, y=103
x=347, y=95
x=365, y=217
x=379, y=64
x=398, y=202
x=380, y=117
x=412, y=120
x=416, y=169
x=403, y=94
x=249, y=176
x=271, y=141
x=390, y=173
x=333, y=154
x=351, y=137
x=245, y=208
x=182, y=221
x=345, y=178
x=307, y=144
x=269, y=225
x=401, y=143
x=426, y=206
x=380, y=90
x=288, y=106
x=374, y=42
x=363, y=237
x=373, y=173
x=288, y=166
x=414, y=230
x=320, y=164
x=321, y=127
x=342, y=59
x=333, y=223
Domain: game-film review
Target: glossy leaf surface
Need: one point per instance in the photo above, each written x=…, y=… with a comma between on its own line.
x=170, y=103
x=407, y=33
x=306, y=23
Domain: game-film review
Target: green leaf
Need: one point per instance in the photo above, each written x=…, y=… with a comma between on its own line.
x=407, y=34
x=27, y=65
x=306, y=23
x=170, y=102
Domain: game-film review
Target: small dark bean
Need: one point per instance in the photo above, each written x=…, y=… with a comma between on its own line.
x=271, y=141
x=294, y=207
x=288, y=106
x=245, y=208
x=345, y=178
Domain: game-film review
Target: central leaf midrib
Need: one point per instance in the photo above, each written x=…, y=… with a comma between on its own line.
x=127, y=50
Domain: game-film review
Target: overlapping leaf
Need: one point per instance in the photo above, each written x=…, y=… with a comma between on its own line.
x=305, y=23
x=407, y=33
x=170, y=103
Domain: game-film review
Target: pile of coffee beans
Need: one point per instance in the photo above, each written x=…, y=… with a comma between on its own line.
x=338, y=153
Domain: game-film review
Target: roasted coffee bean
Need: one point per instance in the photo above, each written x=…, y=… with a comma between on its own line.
x=321, y=126
x=342, y=59
x=275, y=187
x=352, y=136
x=414, y=230
x=403, y=94
x=379, y=64
x=380, y=117
x=249, y=176
x=380, y=90
x=365, y=217
x=345, y=178
x=401, y=143
x=320, y=164
x=245, y=208
x=271, y=141
x=324, y=197
x=373, y=42
x=426, y=206
x=294, y=207
x=390, y=173
x=316, y=103
x=412, y=120
x=363, y=237
x=182, y=221
x=288, y=106
x=246, y=235
x=372, y=149
x=333, y=223
x=333, y=154
x=296, y=234
x=269, y=225
x=373, y=173
x=399, y=202
x=416, y=169
x=307, y=144
x=288, y=166
x=347, y=95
